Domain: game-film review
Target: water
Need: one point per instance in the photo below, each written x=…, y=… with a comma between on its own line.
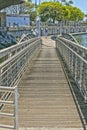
x=82, y=39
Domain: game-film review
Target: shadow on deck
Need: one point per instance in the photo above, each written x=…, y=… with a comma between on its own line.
x=77, y=96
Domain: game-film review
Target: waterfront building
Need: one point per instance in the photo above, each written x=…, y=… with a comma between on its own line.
x=17, y=20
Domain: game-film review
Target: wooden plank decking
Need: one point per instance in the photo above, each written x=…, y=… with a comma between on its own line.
x=45, y=99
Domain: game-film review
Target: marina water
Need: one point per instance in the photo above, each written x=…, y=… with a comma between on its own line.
x=82, y=39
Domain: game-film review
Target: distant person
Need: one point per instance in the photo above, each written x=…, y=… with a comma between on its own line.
x=9, y=24
x=46, y=32
x=36, y=32
x=41, y=30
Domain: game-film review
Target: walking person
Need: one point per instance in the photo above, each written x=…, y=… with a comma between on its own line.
x=46, y=32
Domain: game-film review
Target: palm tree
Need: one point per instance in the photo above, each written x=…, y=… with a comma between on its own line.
x=62, y=1
x=70, y=2
x=65, y=2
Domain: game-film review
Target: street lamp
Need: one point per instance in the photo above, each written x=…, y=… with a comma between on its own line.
x=37, y=20
x=38, y=25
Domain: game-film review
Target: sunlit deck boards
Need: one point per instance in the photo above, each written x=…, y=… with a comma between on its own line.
x=45, y=99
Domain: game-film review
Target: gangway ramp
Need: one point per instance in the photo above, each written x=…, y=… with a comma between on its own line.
x=45, y=98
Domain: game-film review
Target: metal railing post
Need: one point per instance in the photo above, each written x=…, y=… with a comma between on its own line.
x=16, y=108
x=12, y=102
x=76, y=63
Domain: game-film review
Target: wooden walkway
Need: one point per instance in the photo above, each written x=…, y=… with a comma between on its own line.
x=45, y=99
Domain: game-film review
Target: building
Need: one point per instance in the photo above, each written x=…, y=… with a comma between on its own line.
x=17, y=20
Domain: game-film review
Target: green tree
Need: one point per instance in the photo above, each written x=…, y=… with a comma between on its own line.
x=59, y=12
x=75, y=13
x=33, y=16
x=65, y=14
x=85, y=15
x=52, y=10
x=30, y=9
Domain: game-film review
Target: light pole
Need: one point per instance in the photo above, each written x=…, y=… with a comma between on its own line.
x=37, y=21
x=38, y=25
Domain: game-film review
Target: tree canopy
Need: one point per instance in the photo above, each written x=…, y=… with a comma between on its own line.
x=52, y=10
x=30, y=9
x=57, y=11
x=75, y=13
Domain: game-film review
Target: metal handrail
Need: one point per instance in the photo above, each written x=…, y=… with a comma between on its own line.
x=12, y=69
x=82, y=51
x=11, y=51
x=52, y=29
x=76, y=64
x=14, y=102
x=69, y=36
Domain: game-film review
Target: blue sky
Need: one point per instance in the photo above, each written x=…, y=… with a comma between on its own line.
x=82, y=4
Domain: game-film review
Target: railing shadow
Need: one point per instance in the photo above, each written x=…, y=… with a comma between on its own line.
x=77, y=96
x=81, y=104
